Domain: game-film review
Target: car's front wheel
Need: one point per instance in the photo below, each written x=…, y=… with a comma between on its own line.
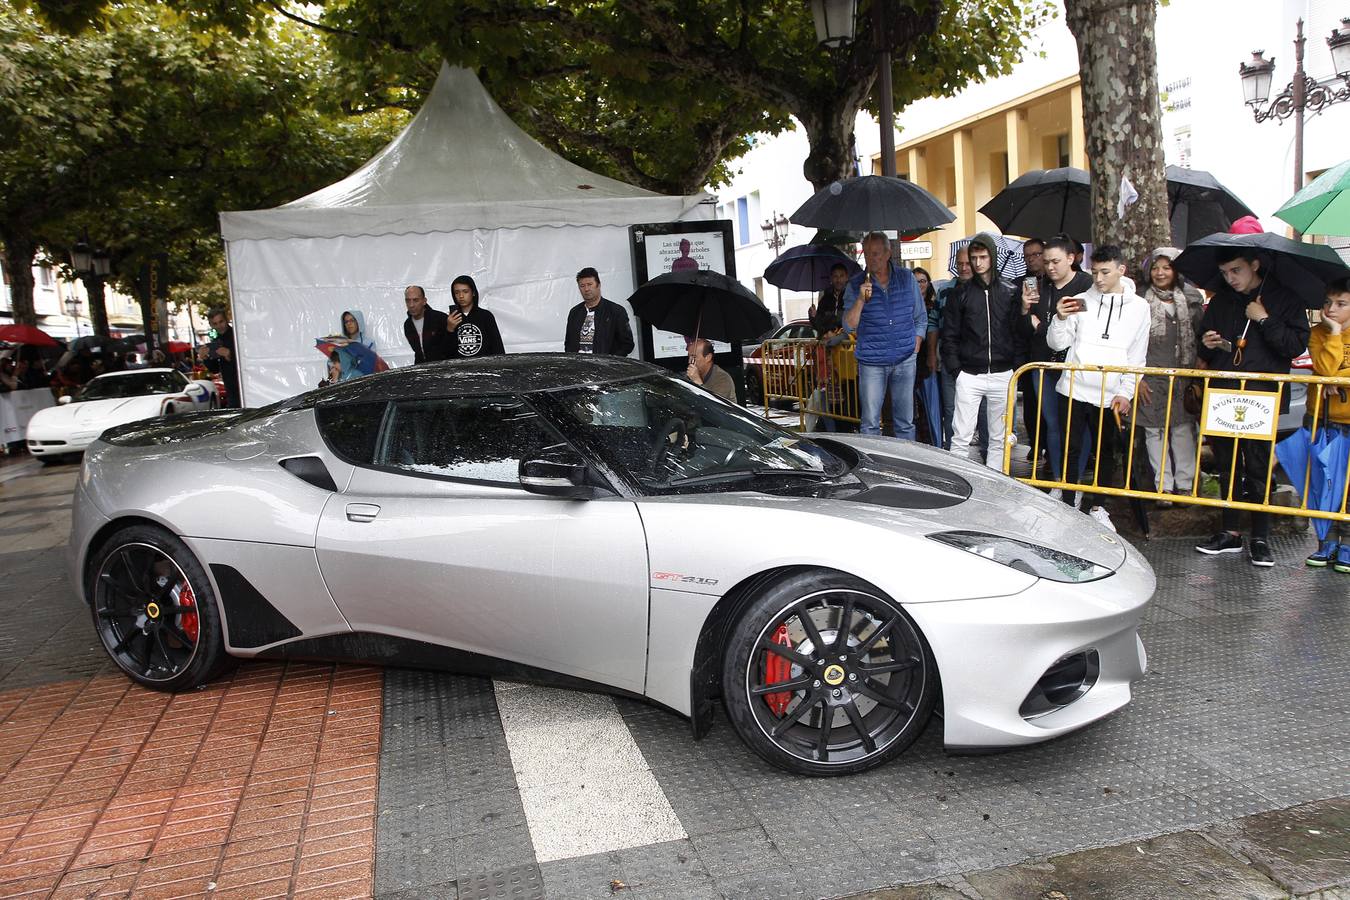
x=822, y=675
x=154, y=610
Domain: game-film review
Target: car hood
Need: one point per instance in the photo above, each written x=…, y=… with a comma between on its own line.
x=91, y=413
x=919, y=487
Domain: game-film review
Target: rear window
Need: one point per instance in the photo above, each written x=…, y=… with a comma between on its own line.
x=351, y=429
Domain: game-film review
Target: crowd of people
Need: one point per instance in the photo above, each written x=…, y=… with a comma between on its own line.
x=974, y=332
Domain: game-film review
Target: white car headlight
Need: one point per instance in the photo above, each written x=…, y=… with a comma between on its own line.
x=1030, y=558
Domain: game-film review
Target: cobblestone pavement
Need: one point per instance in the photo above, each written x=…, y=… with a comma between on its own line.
x=1244, y=710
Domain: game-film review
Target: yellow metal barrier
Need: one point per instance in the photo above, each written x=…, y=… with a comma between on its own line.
x=1224, y=412
x=818, y=380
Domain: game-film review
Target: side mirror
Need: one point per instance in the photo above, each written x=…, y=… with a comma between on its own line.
x=196, y=391
x=65, y=399
x=557, y=472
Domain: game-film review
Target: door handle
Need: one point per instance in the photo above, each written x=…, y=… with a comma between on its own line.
x=362, y=512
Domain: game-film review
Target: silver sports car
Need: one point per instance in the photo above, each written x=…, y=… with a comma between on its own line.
x=594, y=522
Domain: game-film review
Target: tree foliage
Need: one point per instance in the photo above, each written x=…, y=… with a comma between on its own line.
x=139, y=132
x=661, y=93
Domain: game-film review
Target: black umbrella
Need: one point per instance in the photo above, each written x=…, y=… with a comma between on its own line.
x=1198, y=205
x=874, y=203
x=1303, y=268
x=1044, y=202
x=807, y=267
x=701, y=303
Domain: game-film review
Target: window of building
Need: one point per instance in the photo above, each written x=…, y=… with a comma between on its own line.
x=998, y=171
x=1062, y=148
x=468, y=438
x=743, y=220
x=45, y=277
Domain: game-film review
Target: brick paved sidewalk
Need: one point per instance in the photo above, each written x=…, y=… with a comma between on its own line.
x=258, y=785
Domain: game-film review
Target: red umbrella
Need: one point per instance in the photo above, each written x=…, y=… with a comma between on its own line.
x=177, y=347
x=27, y=334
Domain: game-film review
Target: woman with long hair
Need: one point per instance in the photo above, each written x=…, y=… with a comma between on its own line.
x=1175, y=309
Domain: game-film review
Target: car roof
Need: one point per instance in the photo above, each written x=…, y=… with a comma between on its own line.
x=513, y=373
x=134, y=372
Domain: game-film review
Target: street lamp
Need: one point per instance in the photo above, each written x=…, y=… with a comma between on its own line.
x=1302, y=94
x=82, y=258
x=834, y=21
x=834, y=28
x=73, y=310
x=775, y=230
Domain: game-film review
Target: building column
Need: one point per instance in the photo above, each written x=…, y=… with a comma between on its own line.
x=1015, y=121
x=963, y=156
x=1077, y=135
x=918, y=166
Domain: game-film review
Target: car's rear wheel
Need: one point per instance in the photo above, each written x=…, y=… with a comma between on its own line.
x=822, y=675
x=154, y=610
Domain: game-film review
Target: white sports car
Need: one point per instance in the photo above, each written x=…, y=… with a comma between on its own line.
x=117, y=398
x=594, y=522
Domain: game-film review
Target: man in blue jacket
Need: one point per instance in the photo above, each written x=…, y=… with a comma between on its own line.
x=883, y=307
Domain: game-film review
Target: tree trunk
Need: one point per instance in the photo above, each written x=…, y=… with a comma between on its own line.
x=1117, y=63
x=20, y=251
x=829, y=126
x=98, y=309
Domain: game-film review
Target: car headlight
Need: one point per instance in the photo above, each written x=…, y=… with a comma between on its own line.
x=1030, y=558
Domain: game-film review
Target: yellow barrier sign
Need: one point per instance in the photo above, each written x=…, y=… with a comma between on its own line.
x=1241, y=414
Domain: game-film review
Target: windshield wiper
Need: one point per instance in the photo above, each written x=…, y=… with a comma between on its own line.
x=744, y=475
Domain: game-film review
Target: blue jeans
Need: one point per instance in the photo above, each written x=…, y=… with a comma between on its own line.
x=872, y=384
x=1052, y=432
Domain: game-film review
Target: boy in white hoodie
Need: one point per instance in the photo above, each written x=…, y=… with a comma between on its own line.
x=1107, y=326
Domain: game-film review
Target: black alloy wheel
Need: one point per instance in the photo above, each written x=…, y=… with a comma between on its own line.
x=825, y=676
x=154, y=610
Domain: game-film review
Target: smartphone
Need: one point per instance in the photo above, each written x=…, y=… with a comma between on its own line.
x=1031, y=287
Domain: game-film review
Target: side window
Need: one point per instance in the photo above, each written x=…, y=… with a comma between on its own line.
x=476, y=439
x=351, y=429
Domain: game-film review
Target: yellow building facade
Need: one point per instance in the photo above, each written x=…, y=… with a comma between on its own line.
x=966, y=163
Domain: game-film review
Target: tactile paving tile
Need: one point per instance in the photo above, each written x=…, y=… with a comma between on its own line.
x=514, y=883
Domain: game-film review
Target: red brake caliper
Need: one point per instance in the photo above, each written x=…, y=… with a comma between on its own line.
x=777, y=669
x=188, y=620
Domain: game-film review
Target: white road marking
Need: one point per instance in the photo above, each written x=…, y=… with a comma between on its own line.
x=584, y=783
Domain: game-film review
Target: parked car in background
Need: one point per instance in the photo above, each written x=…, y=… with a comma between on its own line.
x=753, y=359
x=117, y=398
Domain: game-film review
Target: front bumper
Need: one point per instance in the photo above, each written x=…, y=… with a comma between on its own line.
x=992, y=652
x=58, y=444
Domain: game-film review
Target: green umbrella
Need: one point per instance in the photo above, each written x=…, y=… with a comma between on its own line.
x=1323, y=206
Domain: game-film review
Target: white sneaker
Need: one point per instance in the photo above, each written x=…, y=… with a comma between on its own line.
x=1056, y=494
x=1102, y=516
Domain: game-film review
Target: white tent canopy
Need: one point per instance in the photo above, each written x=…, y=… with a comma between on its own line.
x=461, y=190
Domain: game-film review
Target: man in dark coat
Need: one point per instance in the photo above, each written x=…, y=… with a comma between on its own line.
x=425, y=328
x=218, y=356
x=984, y=333
x=1253, y=324
x=596, y=325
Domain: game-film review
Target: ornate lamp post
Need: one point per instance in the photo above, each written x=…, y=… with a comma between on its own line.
x=834, y=20
x=775, y=230
x=92, y=267
x=1303, y=94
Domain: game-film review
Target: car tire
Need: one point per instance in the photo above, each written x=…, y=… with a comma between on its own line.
x=878, y=688
x=754, y=389
x=154, y=610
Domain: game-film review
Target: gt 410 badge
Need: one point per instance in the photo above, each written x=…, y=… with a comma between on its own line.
x=682, y=579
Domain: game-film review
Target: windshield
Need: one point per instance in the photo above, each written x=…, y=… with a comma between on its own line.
x=668, y=436
x=134, y=384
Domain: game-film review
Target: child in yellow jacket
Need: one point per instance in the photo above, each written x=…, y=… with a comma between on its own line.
x=1329, y=347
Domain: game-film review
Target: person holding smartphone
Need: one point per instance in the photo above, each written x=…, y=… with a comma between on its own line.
x=1106, y=325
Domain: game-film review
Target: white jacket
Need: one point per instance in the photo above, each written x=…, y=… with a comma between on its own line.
x=1112, y=331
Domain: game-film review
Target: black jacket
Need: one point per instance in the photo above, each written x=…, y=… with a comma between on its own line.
x=435, y=344
x=613, y=335
x=829, y=307
x=983, y=329
x=1050, y=296
x=228, y=369
x=477, y=335
x=1271, y=346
